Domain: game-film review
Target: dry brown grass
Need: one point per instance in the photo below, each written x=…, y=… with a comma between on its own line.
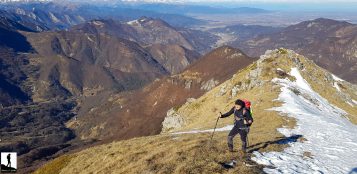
x=56, y=165
x=191, y=153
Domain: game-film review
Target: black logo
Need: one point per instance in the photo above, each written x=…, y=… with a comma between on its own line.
x=8, y=162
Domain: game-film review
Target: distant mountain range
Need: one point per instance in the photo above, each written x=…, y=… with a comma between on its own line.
x=330, y=43
x=62, y=15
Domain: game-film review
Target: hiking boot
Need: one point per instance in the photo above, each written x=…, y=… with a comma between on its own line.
x=244, y=147
x=232, y=163
x=230, y=147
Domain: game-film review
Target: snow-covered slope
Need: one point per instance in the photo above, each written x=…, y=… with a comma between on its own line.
x=225, y=128
x=331, y=139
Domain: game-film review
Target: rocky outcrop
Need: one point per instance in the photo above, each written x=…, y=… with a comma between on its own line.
x=172, y=121
x=210, y=84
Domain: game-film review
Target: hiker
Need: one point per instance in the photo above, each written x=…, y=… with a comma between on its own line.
x=8, y=160
x=242, y=121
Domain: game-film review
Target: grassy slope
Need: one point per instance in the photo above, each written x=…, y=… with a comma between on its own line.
x=193, y=153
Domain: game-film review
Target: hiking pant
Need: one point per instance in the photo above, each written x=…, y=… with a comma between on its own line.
x=243, y=132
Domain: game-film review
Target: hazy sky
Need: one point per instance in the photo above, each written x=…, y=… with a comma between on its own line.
x=325, y=2
x=345, y=6
x=328, y=5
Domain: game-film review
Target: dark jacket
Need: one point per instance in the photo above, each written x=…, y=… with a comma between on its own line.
x=239, y=116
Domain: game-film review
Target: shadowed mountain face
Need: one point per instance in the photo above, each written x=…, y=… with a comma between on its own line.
x=141, y=112
x=12, y=76
x=12, y=39
x=331, y=44
x=10, y=79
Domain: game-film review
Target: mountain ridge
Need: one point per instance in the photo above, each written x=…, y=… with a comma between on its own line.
x=329, y=43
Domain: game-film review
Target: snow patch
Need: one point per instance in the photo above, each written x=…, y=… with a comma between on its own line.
x=300, y=81
x=354, y=101
x=54, y=18
x=98, y=23
x=311, y=24
x=90, y=39
x=337, y=78
x=133, y=22
x=330, y=137
x=336, y=86
x=20, y=11
x=350, y=103
x=225, y=128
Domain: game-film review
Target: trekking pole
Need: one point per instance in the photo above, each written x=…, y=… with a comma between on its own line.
x=247, y=138
x=215, y=128
x=247, y=141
